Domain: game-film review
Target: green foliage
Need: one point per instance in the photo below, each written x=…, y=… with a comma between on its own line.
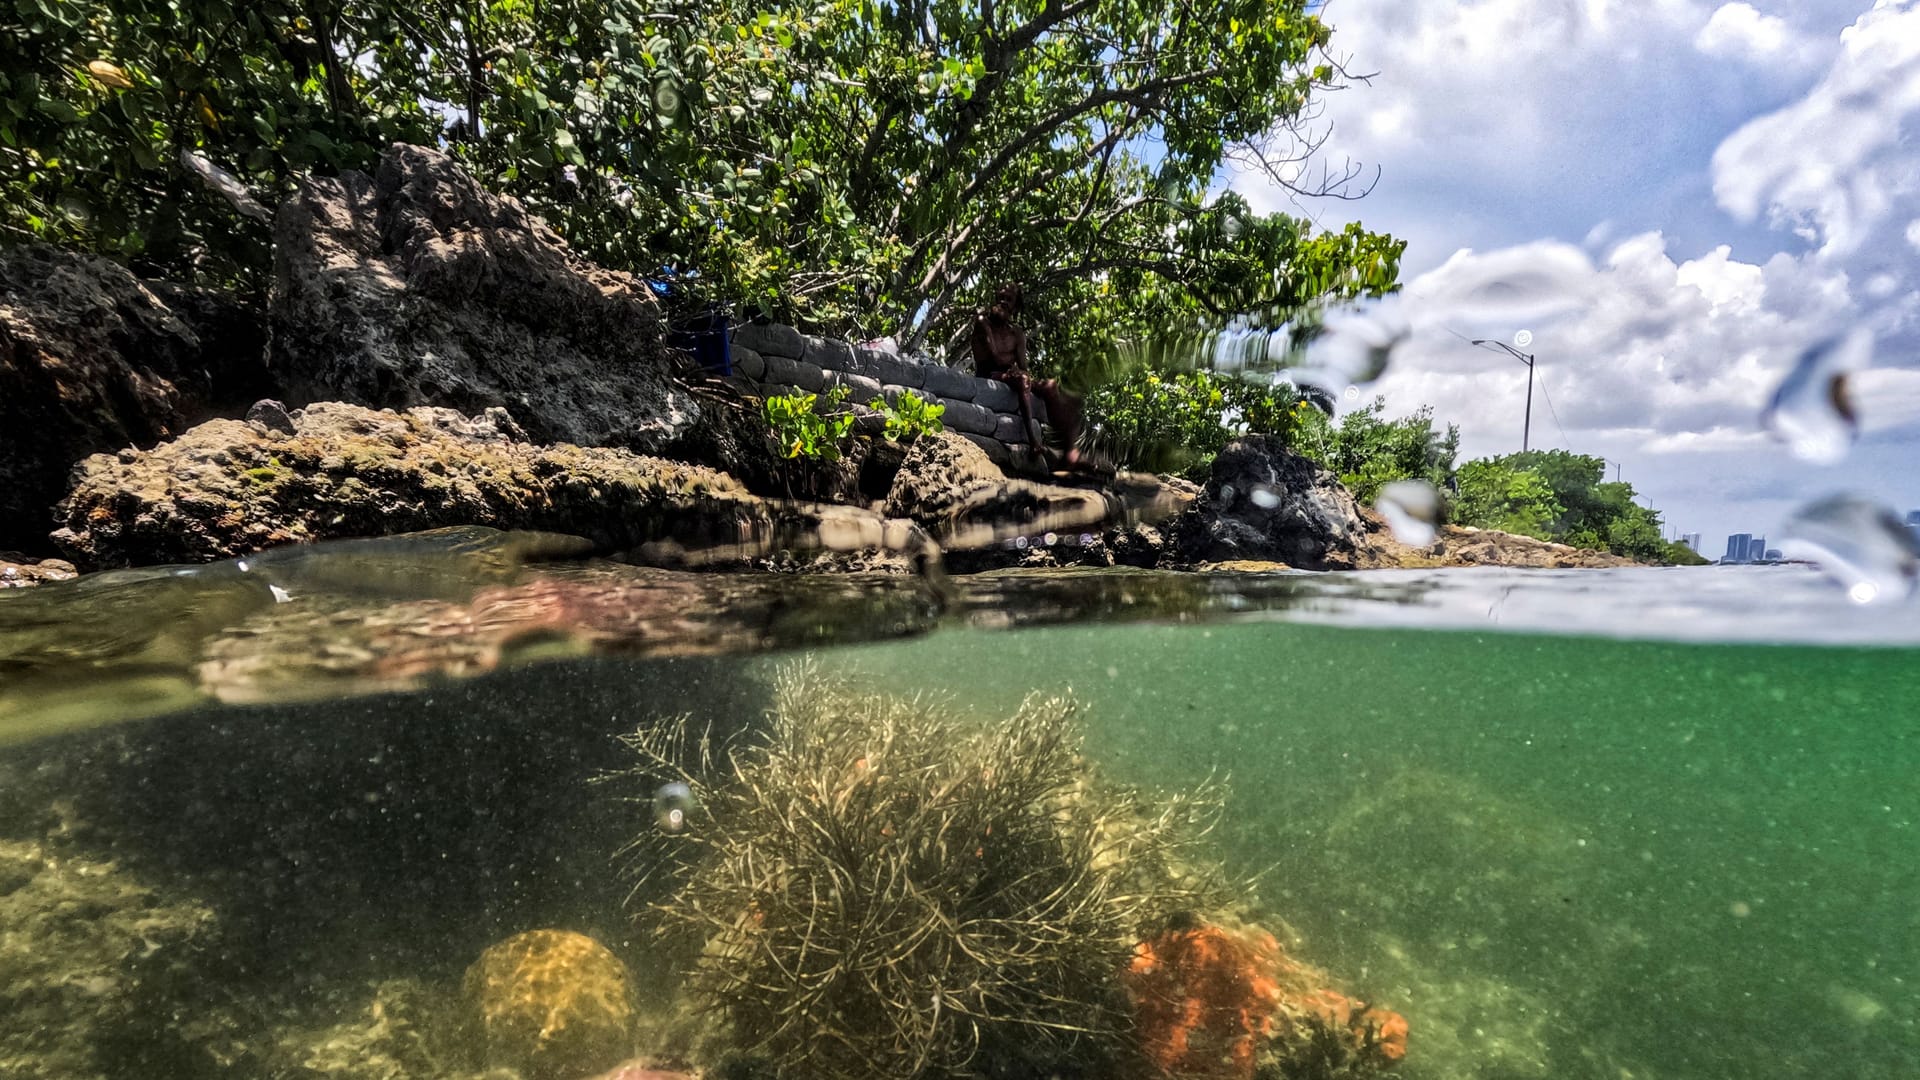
x=1179, y=421
x=911, y=416
x=1368, y=451
x=1676, y=553
x=1563, y=496
x=1495, y=494
x=808, y=425
x=99, y=99
x=851, y=165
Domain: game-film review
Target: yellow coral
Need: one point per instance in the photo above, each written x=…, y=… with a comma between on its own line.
x=551, y=1004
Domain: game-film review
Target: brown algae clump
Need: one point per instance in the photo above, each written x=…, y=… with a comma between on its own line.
x=551, y=1005
x=882, y=888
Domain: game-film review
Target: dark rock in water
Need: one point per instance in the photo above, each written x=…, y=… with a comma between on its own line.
x=417, y=287
x=1264, y=503
x=93, y=359
x=230, y=487
x=949, y=486
x=272, y=414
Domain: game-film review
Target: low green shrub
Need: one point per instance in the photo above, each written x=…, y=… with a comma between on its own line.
x=809, y=425
x=911, y=415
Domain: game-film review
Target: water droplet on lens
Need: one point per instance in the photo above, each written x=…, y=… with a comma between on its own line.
x=1811, y=411
x=1354, y=349
x=1412, y=510
x=1264, y=497
x=671, y=805
x=1523, y=339
x=1860, y=544
x=1226, y=492
x=1020, y=543
x=1086, y=539
x=666, y=98
x=1352, y=393
x=1050, y=539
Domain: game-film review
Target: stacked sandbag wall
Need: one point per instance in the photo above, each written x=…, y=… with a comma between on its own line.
x=779, y=359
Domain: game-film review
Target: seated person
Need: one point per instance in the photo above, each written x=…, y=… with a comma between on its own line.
x=1000, y=352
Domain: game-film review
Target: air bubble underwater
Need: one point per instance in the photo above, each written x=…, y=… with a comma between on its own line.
x=1812, y=410
x=672, y=804
x=1863, y=546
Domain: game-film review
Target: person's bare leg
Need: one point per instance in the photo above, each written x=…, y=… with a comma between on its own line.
x=1065, y=412
x=1019, y=384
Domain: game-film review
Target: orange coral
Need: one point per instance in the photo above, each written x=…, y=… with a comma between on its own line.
x=1381, y=1030
x=1208, y=999
x=1203, y=999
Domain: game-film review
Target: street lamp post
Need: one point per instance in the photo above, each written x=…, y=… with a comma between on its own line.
x=1526, y=428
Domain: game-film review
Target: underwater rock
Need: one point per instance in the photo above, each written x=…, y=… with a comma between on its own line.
x=551, y=1004
x=93, y=359
x=641, y=1071
x=230, y=488
x=415, y=286
x=1265, y=503
x=96, y=969
x=400, y=1035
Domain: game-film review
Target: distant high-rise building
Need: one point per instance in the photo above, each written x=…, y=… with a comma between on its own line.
x=1757, y=549
x=1692, y=540
x=1737, y=545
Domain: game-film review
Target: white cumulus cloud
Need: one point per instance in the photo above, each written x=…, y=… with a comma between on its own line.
x=1836, y=164
x=1738, y=31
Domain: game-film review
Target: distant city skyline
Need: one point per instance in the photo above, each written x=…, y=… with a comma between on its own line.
x=1747, y=548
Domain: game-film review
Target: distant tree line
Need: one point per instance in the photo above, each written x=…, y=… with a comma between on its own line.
x=1563, y=496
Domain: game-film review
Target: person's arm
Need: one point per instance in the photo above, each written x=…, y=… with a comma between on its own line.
x=983, y=363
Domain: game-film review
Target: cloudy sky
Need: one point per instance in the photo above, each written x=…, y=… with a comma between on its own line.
x=1717, y=186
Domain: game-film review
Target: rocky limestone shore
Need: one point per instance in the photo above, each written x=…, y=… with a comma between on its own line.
x=449, y=361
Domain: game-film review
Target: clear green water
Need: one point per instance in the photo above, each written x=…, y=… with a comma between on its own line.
x=1560, y=856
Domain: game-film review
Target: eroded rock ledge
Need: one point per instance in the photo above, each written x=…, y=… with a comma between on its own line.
x=232, y=487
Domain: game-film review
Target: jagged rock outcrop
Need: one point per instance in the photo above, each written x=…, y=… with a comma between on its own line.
x=416, y=286
x=1264, y=503
x=231, y=487
x=949, y=485
x=91, y=359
